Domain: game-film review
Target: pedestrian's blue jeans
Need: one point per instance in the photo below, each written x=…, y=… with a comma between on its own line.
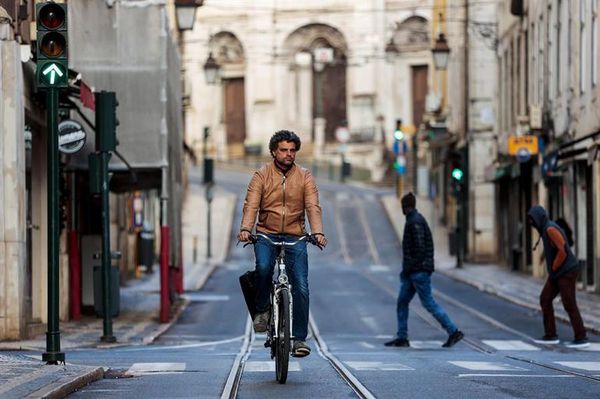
x=420, y=283
x=296, y=266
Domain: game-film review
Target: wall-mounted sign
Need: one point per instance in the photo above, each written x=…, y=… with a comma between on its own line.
x=523, y=146
x=71, y=136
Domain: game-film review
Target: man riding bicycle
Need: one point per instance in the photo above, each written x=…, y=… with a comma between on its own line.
x=282, y=193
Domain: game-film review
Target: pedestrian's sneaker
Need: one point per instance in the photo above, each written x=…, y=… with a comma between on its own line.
x=261, y=322
x=578, y=343
x=300, y=349
x=547, y=340
x=453, y=339
x=399, y=342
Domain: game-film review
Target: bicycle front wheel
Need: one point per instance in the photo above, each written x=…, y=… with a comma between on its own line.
x=282, y=343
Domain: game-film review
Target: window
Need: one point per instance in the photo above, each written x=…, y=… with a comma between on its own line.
x=582, y=47
x=594, y=42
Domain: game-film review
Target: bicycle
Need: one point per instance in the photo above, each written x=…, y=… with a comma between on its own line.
x=279, y=331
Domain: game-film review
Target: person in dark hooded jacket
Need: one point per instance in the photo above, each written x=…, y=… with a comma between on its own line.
x=417, y=266
x=562, y=268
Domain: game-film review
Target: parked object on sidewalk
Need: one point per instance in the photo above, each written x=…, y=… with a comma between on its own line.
x=146, y=250
x=562, y=268
x=417, y=267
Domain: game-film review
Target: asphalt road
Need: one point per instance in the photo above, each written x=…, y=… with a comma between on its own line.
x=211, y=353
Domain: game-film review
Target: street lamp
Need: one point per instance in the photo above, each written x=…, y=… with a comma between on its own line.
x=391, y=51
x=185, y=11
x=211, y=70
x=440, y=52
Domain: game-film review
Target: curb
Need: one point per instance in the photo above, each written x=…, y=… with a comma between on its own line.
x=68, y=385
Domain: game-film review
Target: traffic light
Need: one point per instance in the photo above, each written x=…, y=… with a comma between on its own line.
x=106, y=121
x=398, y=133
x=52, y=42
x=457, y=172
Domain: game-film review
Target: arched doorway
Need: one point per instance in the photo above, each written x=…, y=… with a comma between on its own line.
x=229, y=54
x=325, y=48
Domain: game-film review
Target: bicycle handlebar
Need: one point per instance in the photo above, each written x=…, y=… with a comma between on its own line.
x=308, y=237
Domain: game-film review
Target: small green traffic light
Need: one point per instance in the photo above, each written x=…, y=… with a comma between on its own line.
x=398, y=134
x=52, y=74
x=457, y=174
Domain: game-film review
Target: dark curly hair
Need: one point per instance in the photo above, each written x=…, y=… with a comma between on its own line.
x=283, y=135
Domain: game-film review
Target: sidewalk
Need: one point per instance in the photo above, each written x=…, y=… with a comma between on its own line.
x=515, y=287
x=137, y=322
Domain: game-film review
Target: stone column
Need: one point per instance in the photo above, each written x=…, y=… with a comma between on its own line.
x=12, y=194
x=319, y=124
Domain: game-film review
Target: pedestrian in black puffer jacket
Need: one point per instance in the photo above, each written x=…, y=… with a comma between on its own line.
x=417, y=245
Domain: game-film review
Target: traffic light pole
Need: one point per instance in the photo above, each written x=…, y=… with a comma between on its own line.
x=459, y=228
x=107, y=330
x=53, y=355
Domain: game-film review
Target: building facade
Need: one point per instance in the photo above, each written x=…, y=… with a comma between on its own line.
x=548, y=74
x=313, y=69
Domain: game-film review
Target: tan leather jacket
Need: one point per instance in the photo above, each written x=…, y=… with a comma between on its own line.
x=281, y=201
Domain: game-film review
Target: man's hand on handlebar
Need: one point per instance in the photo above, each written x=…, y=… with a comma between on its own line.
x=244, y=236
x=321, y=239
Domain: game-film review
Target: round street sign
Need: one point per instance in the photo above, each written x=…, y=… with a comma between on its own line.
x=71, y=136
x=342, y=134
x=523, y=155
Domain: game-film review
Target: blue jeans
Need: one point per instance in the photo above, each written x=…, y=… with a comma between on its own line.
x=296, y=266
x=420, y=283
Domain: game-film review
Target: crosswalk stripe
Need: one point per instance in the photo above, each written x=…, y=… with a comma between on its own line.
x=426, y=344
x=510, y=345
x=378, y=366
x=587, y=366
x=264, y=366
x=486, y=366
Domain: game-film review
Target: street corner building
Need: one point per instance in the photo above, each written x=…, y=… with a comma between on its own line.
x=130, y=48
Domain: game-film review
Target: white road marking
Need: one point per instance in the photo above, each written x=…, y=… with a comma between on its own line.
x=426, y=344
x=370, y=322
x=486, y=366
x=518, y=375
x=201, y=297
x=340, y=232
x=155, y=368
x=587, y=366
x=378, y=366
x=362, y=215
x=367, y=345
x=184, y=346
x=379, y=268
x=264, y=366
x=594, y=347
x=510, y=345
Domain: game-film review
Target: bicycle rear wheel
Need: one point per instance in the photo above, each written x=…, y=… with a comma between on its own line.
x=282, y=343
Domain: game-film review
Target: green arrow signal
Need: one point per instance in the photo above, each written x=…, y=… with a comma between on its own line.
x=53, y=70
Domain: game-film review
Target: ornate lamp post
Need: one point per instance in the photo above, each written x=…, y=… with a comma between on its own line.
x=212, y=70
x=440, y=52
x=185, y=11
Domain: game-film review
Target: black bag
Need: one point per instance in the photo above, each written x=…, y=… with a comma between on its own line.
x=248, y=284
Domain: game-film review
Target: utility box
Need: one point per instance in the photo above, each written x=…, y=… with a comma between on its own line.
x=95, y=178
x=115, y=294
